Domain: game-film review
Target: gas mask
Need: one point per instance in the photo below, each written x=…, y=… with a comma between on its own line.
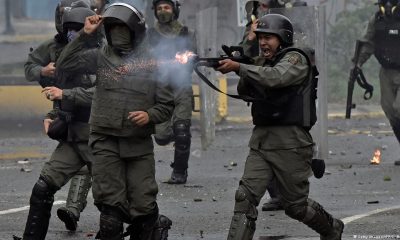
x=388, y=7
x=165, y=17
x=71, y=35
x=121, y=38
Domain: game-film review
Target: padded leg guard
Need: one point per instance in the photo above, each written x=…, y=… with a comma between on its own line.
x=314, y=216
x=78, y=191
x=41, y=202
x=182, y=146
x=243, y=224
x=76, y=201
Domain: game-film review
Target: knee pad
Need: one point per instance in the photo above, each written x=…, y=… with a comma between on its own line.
x=182, y=134
x=42, y=193
x=245, y=203
x=298, y=211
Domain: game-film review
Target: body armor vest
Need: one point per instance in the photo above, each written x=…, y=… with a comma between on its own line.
x=293, y=105
x=119, y=92
x=387, y=41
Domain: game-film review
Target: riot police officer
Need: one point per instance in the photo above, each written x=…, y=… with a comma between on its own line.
x=168, y=37
x=127, y=104
x=382, y=39
x=281, y=147
x=40, y=67
x=73, y=96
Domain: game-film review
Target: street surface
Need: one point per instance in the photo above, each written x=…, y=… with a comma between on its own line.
x=352, y=188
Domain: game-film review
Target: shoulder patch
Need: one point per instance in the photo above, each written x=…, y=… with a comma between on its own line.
x=295, y=58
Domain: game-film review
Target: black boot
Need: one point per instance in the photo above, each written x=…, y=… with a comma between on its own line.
x=111, y=228
x=151, y=227
x=322, y=222
x=274, y=203
x=178, y=177
x=41, y=202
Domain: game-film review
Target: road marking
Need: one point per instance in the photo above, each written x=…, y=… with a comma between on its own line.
x=359, y=216
x=15, y=210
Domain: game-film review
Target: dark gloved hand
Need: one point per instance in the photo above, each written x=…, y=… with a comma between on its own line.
x=318, y=167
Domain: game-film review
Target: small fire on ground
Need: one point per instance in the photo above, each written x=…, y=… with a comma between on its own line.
x=376, y=160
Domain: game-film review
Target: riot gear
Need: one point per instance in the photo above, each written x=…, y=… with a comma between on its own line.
x=76, y=202
x=243, y=223
x=293, y=105
x=278, y=25
x=60, y=9
x=175, y=6
x=315, y=217
x=77, y=14
x=387, y=39
x=41, y=202
x=128, y=15
x=388, y=7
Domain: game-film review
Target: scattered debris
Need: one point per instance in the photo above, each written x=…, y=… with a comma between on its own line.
x=387, y=178
x=196, y=153
x=193, y=186
x=25, y=165
x=346, y=166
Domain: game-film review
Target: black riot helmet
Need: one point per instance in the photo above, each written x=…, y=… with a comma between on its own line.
x=123, y=13
x=176, y=6
x=388, y=7
x=279, y=25
x=75, y=16
x=62, y=6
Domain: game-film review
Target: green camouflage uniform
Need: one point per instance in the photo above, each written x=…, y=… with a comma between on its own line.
x=124, y=167
x=389, y=80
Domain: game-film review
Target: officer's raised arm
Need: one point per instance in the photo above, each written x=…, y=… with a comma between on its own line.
x=75, y=57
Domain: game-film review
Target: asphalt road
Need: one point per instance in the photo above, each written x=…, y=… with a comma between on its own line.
x=365, y=196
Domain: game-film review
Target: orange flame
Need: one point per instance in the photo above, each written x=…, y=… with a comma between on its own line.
x=377, y=157
x=183, y=58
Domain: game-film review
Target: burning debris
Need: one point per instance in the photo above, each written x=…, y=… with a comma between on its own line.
x=376, y=160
